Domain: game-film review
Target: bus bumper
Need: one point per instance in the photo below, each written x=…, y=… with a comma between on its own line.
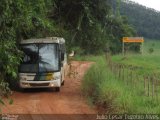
x=40, y=84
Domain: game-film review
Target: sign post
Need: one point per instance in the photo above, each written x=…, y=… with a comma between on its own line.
x=132, y=40
x=123, y=48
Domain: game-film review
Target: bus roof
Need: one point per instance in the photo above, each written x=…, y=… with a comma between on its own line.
x=44, y=40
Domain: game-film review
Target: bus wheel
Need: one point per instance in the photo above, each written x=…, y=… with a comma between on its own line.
x=62, y=83
x=21, y=89
x=57, y=89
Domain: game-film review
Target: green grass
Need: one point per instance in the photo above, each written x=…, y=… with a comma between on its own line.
x=150, y=62
x=147, y=62
x=155, y=44
x=112, y=95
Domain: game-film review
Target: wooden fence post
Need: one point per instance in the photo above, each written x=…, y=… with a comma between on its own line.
x=123, y=73
x=148, y=86
x=119, y=73
x=145, y=85
x=128, y=73
x=156, y=86
x=131, y=74
x=152, y=86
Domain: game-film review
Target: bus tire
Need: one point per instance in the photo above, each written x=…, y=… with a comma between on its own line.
x=62, y=83
x=21, y=89
x=57, y=89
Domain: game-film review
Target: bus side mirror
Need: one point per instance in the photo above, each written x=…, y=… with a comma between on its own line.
x=62, y=56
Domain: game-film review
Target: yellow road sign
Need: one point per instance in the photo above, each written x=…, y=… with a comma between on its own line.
x=133, y=39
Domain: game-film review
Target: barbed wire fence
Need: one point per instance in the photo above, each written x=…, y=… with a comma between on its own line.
x=146, y=83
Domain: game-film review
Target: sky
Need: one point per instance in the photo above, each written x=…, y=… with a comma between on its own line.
x=155, y=4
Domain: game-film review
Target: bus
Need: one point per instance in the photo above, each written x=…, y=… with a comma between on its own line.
x=44, y=63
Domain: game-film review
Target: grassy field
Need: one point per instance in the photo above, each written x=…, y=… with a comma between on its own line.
x=155, y=44
x=149, y=61
x=117, y=89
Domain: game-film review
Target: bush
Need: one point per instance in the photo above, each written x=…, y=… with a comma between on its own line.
x=151, y=50
x=9, y=60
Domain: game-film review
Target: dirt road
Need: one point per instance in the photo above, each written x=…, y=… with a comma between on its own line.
x=45, y=101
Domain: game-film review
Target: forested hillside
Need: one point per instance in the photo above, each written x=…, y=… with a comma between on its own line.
x=145, y=20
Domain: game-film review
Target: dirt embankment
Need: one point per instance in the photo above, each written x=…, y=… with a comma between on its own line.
x=45, y=101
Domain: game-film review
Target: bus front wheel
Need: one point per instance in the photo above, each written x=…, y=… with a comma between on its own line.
x=57, y=89
x=62, y=83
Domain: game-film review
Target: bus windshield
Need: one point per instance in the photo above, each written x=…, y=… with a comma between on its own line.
x=40, y=58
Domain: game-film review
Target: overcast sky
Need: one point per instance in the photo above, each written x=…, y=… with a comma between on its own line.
x=155, y=4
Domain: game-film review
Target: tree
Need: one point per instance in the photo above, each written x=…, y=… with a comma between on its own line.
x=20, y=19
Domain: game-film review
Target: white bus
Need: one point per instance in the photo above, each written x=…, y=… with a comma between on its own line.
x=44, y=63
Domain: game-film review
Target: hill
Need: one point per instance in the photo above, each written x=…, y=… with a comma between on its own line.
x=145, y=20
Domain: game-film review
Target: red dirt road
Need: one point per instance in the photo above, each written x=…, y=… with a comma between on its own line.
x=45, y=101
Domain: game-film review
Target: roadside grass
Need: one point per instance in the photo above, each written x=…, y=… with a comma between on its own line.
x=111, y=95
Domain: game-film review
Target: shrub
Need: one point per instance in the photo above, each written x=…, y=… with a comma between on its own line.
x=151, y=50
